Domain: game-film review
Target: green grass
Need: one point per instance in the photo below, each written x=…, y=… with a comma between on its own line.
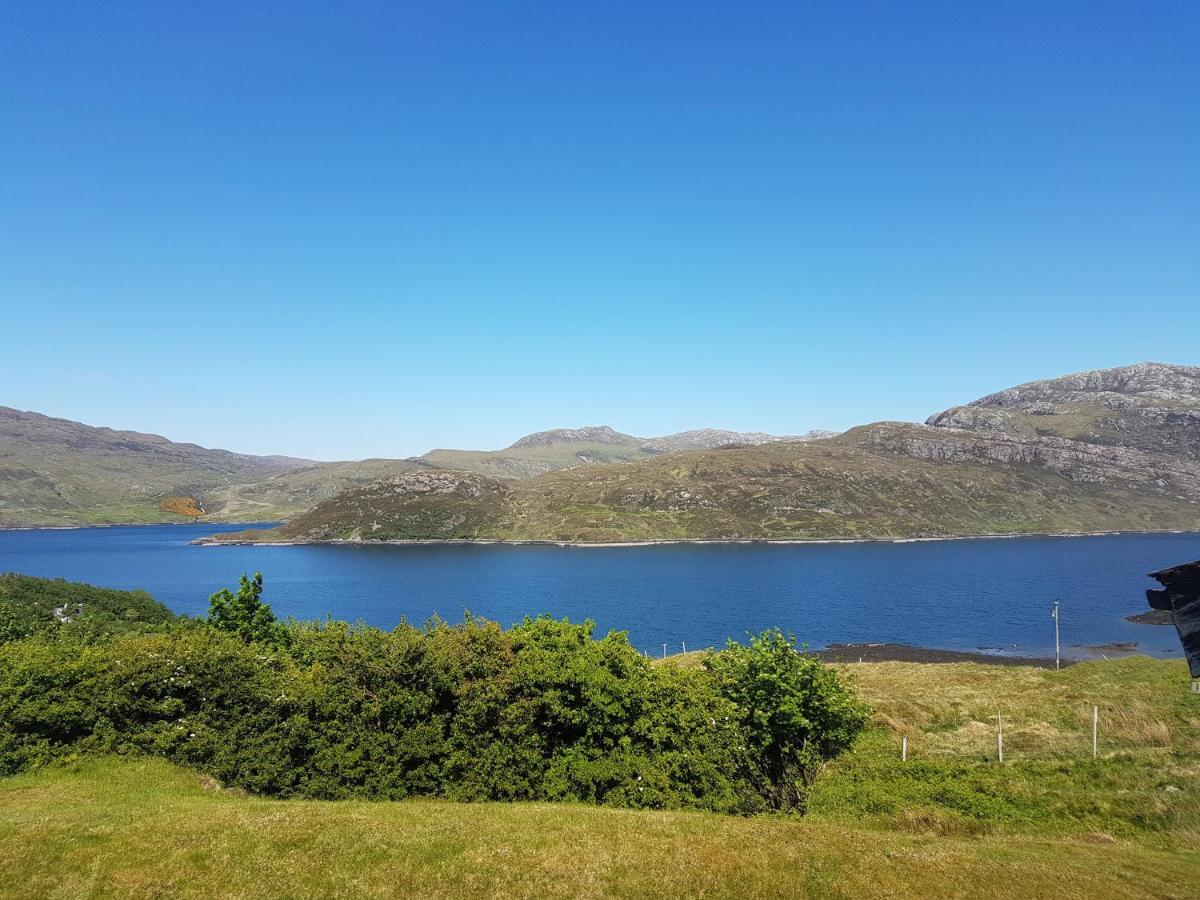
x=141, y=828
x=951, y=822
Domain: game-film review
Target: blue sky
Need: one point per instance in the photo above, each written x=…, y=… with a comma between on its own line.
x=343, y=230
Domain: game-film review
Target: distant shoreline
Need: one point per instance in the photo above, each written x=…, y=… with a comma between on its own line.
x=121, y=525
x=209, y=541
x=909, y=653
x=509, y=542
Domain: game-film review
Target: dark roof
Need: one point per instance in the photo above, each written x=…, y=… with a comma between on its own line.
x=1186, y=570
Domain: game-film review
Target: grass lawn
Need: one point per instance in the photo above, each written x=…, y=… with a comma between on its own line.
x=141, y=828
x=948, y=823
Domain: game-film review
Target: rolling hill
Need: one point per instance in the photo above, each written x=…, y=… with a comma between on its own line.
x=1113, y=449
x=563, y=448
x=1134, y=468
x=60, y=472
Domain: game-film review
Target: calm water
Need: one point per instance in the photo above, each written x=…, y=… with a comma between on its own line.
x=993, y=594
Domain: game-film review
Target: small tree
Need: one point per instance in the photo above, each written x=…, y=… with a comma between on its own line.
x=245, y=614
x=795, y=712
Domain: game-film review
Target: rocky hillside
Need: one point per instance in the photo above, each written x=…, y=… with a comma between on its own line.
x=1120, y=454
x=1151, y=407
x=594, y=434
x=890, y=480
x=1096, y=451
x=711, y=438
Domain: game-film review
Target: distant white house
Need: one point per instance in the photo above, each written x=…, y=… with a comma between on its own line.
x=68, y=613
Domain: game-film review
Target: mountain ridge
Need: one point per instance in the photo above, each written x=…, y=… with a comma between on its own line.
x=1148, y=406
x=1115, y=460
x=56, y=471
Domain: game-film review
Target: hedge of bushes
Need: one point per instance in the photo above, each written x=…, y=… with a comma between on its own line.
x=540, y=711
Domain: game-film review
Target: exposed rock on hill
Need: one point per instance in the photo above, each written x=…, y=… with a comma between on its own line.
x=595, y=434
x=710, y=438
x=1076, y=460
x=1152, y=407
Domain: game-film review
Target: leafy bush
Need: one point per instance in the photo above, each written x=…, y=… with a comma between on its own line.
x=794, y=711
x=541, y=711
x=244, y=613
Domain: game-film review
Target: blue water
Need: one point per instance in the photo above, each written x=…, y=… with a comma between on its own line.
x=967, y=595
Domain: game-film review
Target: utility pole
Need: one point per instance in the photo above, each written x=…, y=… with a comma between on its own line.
x=1057, y=652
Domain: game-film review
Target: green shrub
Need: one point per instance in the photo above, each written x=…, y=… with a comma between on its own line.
x=542, y=711
x=245, y=614
x=795, y=713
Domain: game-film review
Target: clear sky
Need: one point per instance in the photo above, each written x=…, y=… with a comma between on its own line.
x=351, y=229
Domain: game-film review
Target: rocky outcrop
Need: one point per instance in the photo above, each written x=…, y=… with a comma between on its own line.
x=1118, y=388
x=696, y=439
x=711, y=438
x=1077, y=460
x=1151, y=407
x=594, y=434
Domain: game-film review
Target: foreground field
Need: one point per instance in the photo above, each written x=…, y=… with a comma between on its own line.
x=140, y=828
x=948, y=822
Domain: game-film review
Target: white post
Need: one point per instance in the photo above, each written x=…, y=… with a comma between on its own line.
x=1000, y=737
x=685, y=646
x=1056, y=645
x=1095, y=730
x=664, y=651
x=904, y=749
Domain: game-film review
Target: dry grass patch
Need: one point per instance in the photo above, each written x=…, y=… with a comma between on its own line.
x=950, y=709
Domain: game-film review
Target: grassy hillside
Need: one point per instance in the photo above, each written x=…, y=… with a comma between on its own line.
x=58, y=472
x=528, y=462
x=889, y=480
x=28, y=605
x=549, y=451
x=287, y=494
x=1104, y=450
x=948, y=823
